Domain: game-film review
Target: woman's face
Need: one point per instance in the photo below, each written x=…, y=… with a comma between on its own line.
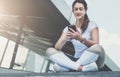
x=79, y=10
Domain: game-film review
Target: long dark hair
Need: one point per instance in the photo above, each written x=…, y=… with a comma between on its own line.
x=86, y=19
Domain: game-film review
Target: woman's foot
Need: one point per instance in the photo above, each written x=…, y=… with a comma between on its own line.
x=80, y=68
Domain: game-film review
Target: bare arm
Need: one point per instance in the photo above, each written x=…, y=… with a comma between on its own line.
x=95, y=38
x=62, y=40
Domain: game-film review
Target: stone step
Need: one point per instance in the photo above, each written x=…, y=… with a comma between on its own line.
x=64, y=74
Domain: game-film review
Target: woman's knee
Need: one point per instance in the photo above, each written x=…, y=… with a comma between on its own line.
x=51, y=51
x=98, y=49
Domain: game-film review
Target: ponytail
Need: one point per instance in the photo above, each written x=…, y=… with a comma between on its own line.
x=85, y=23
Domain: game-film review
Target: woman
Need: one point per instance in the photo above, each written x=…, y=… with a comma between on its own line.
x=89, y=54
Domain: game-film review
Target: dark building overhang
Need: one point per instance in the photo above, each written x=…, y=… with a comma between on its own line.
x=38, y=17
x=41, y=16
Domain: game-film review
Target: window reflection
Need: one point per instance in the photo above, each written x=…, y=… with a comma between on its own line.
x=8, y=54
x=30, y=52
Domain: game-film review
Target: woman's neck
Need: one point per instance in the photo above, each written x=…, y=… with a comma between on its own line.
x=79, y=23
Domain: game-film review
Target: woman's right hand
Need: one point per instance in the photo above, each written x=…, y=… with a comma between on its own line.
x=69, y=35
x=66, y=36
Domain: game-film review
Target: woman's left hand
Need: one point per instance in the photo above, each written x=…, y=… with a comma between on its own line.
x=74, y=34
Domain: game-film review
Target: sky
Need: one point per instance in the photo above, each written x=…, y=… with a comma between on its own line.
x=106, y=14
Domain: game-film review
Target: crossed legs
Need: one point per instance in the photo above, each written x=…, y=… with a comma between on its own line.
x=91, y=60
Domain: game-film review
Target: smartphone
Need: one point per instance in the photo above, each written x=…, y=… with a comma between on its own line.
x=73, y=27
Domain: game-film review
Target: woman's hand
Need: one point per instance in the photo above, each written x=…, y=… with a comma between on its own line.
x=74, y=34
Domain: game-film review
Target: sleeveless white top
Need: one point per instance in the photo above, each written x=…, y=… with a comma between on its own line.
x=80, y=47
